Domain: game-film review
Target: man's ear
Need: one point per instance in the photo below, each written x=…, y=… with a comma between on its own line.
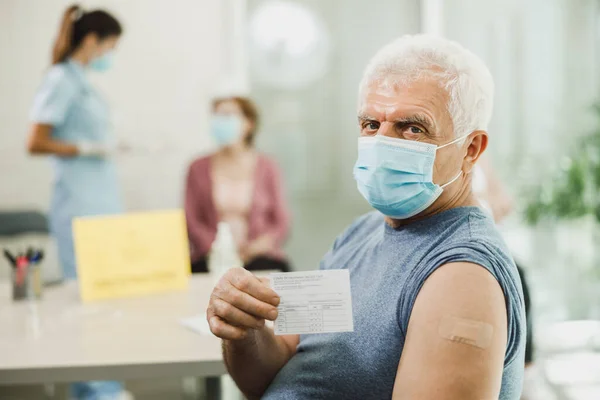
x=477, y=146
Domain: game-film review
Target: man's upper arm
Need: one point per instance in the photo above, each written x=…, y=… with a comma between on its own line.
x=456, y=339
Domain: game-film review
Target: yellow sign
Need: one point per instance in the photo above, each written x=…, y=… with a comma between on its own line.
x=131, y=254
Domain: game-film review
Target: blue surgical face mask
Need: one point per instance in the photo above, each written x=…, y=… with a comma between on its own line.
x=396, y=176
x=225, y=129
x=102, y=63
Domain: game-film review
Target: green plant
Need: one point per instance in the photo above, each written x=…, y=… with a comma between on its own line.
x=574, y=191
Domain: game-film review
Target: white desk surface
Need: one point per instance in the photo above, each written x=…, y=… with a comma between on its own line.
x=60, y=339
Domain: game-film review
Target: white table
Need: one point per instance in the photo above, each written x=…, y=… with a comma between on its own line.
x=60, y=339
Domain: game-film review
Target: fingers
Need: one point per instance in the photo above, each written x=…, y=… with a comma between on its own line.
x=228, y=312
x=265, y=280
x=240, y=302
x=245, y=302
x=248, y=283
x=224, y=330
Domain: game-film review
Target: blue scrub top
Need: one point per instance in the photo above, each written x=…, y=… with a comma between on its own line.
x=67, y=101
x=83, y=186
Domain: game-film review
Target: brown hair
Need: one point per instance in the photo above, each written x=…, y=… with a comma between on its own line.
x=249, y=110
x=76, y=24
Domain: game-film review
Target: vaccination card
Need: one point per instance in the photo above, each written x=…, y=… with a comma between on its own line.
x=313, y=302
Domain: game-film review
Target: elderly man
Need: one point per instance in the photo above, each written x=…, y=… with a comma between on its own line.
x=438, y=307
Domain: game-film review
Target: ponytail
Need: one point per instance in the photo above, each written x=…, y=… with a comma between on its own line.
x=63, y=43
x=76, y=25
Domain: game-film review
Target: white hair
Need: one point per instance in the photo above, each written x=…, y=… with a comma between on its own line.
x=461, y=73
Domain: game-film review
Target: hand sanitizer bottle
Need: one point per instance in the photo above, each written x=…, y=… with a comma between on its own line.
x=223, y=252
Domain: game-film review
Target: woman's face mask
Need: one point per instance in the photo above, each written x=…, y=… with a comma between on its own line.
x=104, y=59
x=102, y=63
x=225, y=129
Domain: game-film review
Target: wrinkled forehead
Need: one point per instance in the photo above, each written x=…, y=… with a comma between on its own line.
x=393, y=93
x=388, y=99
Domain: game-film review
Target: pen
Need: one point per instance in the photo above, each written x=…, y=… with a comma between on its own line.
x=10, y=258
x=38, y=256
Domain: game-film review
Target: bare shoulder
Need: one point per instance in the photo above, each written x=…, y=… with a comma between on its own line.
x=456, y=336
x=465, y=289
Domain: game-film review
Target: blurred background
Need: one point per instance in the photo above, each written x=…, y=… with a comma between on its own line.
x=301, y=61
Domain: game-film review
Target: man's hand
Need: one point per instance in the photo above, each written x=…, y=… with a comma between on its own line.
x=240, y=303
x=237, y=310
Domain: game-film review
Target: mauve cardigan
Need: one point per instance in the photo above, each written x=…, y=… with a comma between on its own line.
x=268, y=214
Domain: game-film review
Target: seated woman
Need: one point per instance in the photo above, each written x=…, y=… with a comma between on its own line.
x=240, y=186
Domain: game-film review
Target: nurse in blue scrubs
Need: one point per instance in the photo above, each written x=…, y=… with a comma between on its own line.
x=71, y=124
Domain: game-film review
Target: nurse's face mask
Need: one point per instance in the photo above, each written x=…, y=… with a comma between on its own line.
x=395, y=175
x=102, y=63
x=104, y=58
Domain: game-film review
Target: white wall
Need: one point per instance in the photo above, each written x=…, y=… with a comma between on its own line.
x=544, y=58
x=542, y=54
x=313, y=130
x=167, y=65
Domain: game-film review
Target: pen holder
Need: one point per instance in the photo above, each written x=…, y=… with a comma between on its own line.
x=27, y=286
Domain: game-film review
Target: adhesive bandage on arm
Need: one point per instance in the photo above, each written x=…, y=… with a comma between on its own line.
x=466, y=331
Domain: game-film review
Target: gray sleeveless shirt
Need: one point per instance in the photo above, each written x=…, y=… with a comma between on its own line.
x=387, y=269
